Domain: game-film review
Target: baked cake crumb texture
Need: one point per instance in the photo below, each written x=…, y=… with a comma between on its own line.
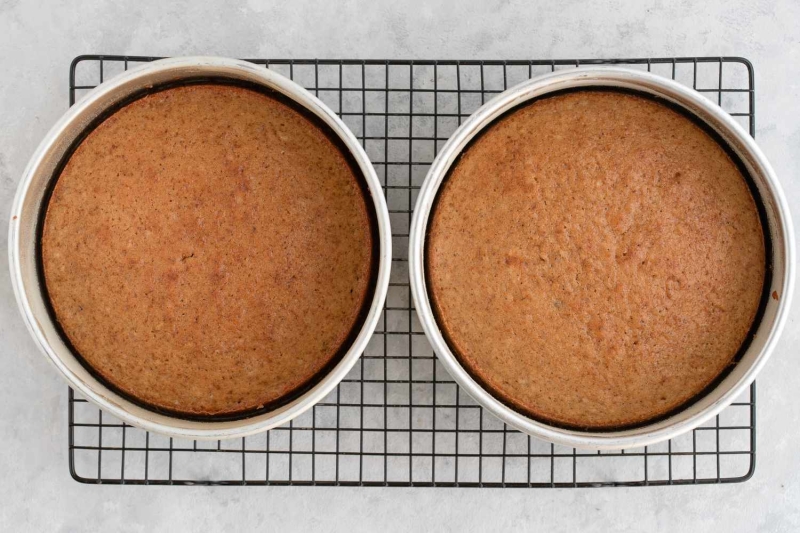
x=207, y=249
x=596, y=259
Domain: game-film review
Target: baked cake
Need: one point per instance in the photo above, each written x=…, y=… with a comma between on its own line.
x=208, y=250
x=595, y=259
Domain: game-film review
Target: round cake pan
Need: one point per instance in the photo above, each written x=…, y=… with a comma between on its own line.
x=769, y=195
x=27, y=208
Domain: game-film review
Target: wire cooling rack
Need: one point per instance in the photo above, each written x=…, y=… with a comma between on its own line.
x=398, y=419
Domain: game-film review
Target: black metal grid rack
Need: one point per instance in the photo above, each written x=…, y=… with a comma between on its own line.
x=398, y=419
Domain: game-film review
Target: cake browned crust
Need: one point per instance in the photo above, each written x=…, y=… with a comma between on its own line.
x=208, y=249
x=595, y=259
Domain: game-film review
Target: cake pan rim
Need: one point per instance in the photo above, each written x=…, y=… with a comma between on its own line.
x=40, y=172
x=780, y=229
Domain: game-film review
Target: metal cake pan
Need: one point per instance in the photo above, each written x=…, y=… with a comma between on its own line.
x=779, y=228
x=25, y=217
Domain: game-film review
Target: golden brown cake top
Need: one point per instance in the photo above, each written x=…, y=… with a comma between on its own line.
x=595, y=259
x=208, y=250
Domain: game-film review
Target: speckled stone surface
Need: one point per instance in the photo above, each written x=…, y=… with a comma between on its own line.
x=39, y=40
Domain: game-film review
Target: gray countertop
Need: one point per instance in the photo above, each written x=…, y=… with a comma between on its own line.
x=37, y=42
